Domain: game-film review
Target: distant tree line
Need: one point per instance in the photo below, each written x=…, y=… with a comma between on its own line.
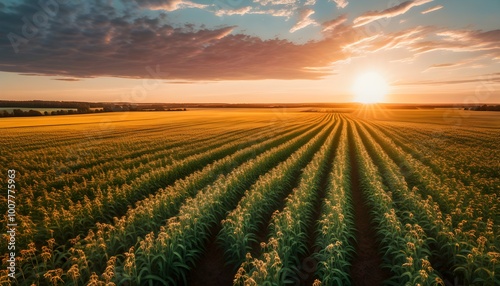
x=484, y=108
x=76, y=108
x=21, y=113
x=49, y=104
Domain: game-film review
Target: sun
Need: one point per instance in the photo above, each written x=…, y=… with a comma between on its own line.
x=369, y=87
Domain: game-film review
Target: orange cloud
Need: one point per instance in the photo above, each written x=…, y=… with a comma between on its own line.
x=332, y=24
x=491, y=78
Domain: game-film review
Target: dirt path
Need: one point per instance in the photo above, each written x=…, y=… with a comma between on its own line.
x=366, y=265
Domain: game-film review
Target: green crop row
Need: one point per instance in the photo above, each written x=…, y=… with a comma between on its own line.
x=280, y=257
x=404, y=244
x=239, y=229
x=335, y=230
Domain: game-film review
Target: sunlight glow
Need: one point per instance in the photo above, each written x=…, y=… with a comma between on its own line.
x=369, y=87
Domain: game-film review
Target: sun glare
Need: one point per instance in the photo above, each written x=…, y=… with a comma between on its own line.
x=369, y=87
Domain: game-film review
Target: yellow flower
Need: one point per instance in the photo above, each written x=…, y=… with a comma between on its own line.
x=74, y=272
x=409, y=262
x=423, y=274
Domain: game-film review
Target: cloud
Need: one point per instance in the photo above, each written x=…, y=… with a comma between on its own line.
x=239, y=11
x=281, y=8
x=341, y=3
x=275, y=2
x=182, y=82
x=420, y=40
x=464, y=63
x=86, y=41
x=446, y=65
x=402, y=39
x=432, y=9
x=332, y=24
x=304, y=20
x=490, y=78
x=461, y=41
x=67, y=79
x=388, y=13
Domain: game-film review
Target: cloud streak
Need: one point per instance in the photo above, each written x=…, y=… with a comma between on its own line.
x=304, y=20
x=397, y=10
x=332, y=24
x=67, y=79
x=341, y=3
x=168, y=5
x=492, y=78
x=432, y=9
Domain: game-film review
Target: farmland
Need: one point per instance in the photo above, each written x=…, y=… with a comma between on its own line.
x=253, y=196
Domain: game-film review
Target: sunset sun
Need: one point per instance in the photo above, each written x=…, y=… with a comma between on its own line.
x=369, y=87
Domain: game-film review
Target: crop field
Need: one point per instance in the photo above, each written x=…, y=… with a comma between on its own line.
x=251, y=197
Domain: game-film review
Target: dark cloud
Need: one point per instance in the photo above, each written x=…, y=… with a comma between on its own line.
x=91, y=39
x=67, y=79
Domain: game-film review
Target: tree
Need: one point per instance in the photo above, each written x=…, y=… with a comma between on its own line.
x=32, y=112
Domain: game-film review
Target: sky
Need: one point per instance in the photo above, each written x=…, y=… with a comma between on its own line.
x=244, y=51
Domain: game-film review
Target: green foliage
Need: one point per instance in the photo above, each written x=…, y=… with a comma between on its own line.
x=136, y=202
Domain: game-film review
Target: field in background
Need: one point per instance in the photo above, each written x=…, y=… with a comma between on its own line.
x=245, y=196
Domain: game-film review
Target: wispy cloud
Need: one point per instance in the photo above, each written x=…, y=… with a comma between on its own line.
x=304, y=20
x=332, y=24
x=239, y=11
x=470, y=62
x=275, y=2
x=491, y=78
x=388, y=13
x=168, y=5
x=402, y=39
x=446, y=65
x=461, y=41
x=341, y=3
x=432, y=9
x=420, y=40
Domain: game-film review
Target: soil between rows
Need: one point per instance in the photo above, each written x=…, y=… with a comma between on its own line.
x=366, y=266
